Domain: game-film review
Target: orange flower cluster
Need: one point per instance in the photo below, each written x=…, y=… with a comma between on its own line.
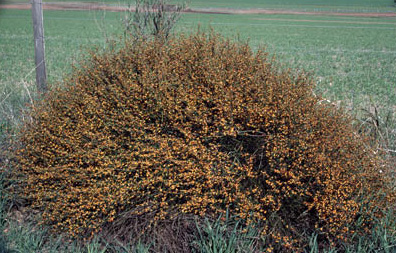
x=198, y=125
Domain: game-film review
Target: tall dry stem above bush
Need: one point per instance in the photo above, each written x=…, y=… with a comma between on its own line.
x=152, y=18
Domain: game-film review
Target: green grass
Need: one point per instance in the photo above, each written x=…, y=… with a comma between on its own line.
x=307, y=5
x=304, y=5
x=301, y=5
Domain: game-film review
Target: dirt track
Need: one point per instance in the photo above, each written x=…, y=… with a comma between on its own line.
x=97, y=6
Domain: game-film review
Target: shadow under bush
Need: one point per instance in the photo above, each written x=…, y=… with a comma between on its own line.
x=195, y=126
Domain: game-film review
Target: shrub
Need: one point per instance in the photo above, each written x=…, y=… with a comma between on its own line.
x=198, y=125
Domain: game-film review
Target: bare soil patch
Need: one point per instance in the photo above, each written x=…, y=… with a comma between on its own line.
x=98, y=6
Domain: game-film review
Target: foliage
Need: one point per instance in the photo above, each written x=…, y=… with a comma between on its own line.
x=198, y=125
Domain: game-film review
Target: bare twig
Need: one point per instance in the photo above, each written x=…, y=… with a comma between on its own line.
x=152, y=18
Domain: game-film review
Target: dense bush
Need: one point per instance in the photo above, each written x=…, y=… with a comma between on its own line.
x=197, y=126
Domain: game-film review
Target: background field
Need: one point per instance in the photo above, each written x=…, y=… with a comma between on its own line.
x=337, y=5
x=352, y=58
x=318, y=5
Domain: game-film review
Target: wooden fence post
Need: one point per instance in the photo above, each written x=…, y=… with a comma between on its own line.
x=39, y=52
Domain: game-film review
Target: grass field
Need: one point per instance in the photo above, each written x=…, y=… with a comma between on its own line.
x=311, y=5
x=352, y=59
x=317, y=5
